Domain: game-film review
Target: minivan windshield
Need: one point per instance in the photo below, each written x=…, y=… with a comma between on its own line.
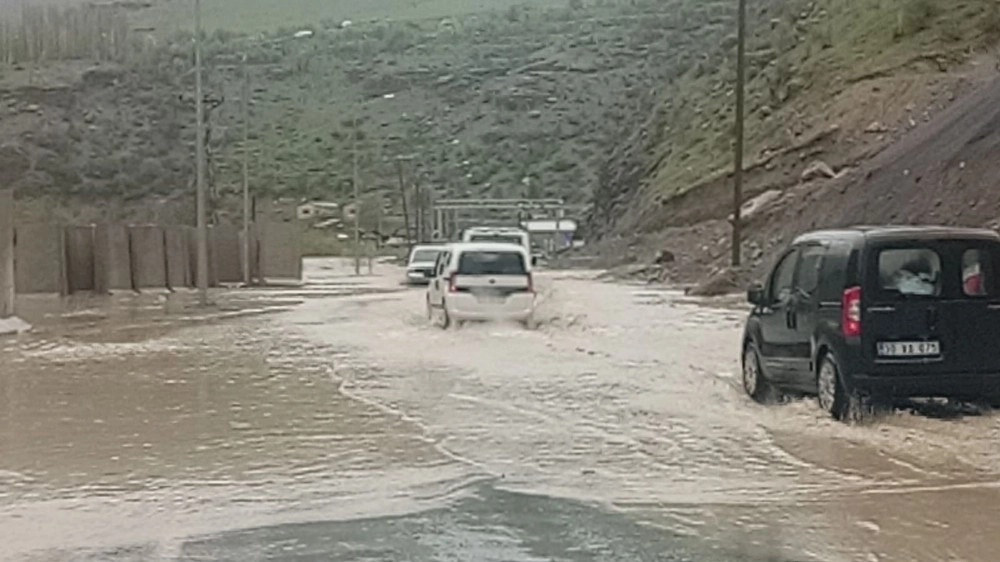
x=428, y=255
x=501, y=238
x=491, y=263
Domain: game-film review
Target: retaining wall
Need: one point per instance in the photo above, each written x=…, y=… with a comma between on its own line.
x=149, y=257
x=39, y=258
x=112, y=258
x=178, y=265
x=79, y=258
x=227, y=253
x=280, y=250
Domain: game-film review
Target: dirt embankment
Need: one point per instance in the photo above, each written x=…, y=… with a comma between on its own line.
x=935, y=161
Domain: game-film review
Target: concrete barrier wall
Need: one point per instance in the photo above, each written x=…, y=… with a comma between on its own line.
x=226, y=252
x=149, y=257
x=280, y=250
x=39, y=258
x=79, y=258
x=7, y=275
x=254, y=254
x=178, y=264
x=192, y=237
x=112, y=258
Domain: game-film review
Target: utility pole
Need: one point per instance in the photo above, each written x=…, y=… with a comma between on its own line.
x=406, y=213
x=200, y=166
x=357, y=199
x=741, y=39
x=419, y=203
x=246, y=172
x=6, y=253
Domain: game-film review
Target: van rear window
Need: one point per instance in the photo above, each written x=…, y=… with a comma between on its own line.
x=505, y=239
x=910, y=271
x=491, y=263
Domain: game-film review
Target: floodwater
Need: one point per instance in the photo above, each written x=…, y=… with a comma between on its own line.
x=333, y=422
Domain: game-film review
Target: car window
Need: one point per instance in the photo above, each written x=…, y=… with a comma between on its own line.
x=833, y=272
x=442, y=262
x=977, y=272
x=910, y=271
x=781, y=278
x=502, y=238
x=491, y=263
x=425, y=255
x=807, y=276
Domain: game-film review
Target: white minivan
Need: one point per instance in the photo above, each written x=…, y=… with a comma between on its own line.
x=482, y=281
x=420, y=266
x=502, y=234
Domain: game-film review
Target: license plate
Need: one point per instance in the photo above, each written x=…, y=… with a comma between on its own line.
x=492, y=300
x=909, y=348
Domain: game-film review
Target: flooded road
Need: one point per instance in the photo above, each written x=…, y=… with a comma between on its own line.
x=332, y=422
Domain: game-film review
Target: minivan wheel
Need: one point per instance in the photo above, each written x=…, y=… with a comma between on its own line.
x=843, y=404
x=445, y=319
x=830, y=391
x=755, y=384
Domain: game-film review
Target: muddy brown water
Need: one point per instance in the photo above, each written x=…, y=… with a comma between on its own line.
x=144, y=429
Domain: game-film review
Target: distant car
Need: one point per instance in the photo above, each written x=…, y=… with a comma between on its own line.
x=509, y=235
x=420, y=266
x=865, y=316
x=482, y=281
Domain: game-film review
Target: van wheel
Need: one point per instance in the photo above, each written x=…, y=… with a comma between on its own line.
x=843, y=404
x=830, y=392
x=445, y=319
x=755, y=384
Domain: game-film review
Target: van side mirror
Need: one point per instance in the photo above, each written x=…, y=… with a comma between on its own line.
x=534, y=261
x=755, y=294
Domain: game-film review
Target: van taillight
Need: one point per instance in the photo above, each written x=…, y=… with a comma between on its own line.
x=451, y=283
x=850, y=312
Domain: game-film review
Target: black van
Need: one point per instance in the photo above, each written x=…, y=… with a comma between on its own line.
x=866, y=315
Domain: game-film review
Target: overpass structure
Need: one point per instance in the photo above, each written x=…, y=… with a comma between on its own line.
x=452, y=215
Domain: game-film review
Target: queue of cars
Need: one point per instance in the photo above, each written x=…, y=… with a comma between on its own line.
x=861, y=318
x=486, y=277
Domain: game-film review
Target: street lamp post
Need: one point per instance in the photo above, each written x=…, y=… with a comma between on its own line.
x=202, y=223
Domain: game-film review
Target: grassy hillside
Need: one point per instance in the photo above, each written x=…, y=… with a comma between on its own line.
x=267, y=15
x=813, y=65
x=170, y=16
x=524, y=101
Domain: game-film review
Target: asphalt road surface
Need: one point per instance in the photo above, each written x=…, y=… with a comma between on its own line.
x=333, y=422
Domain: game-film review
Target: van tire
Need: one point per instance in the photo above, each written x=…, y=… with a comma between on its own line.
x=831, y=395
x=841, y=403
x=755, y=384
x=445, y=319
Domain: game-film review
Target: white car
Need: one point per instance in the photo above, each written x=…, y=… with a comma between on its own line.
x=497, y=234
x=420, y=266
x=482, y=281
